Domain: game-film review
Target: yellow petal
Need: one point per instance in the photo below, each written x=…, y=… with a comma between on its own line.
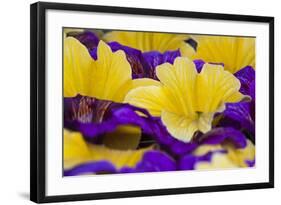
x=186, y=50
x=237, y=97
x=205, y=122
x=183, y=127
x=151, y=98
x=179, y=126
x=77, y=67
x=179, y=84
x=145, y=82
x=123, y=138
x=234, y=52
x=214, y=87
x=75, y=149
x=112, y=74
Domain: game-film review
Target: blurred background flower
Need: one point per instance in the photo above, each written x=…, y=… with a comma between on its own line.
x=234, y=52
x=151, y=41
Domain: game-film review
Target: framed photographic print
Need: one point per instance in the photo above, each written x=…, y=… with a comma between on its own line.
x=129, y=102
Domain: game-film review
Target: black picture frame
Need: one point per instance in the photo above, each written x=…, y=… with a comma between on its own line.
x=38, y=100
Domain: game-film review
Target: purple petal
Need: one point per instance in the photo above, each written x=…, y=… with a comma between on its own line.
x=220, y=135
x=189, y=161
x=91, y=167
x=153, y=161
x=250, y=163
x=253, y=102
x=85, y=109
x=199, y=65
x=246, y=76
x=239, y=116
x=155, y=58
x=252, y=90
x=89, y=39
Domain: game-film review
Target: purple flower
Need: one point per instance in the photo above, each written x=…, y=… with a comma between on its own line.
x=222, y=135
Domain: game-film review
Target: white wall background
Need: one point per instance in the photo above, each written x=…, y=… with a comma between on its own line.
x=14, y=100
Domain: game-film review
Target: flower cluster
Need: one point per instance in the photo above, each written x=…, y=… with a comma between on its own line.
x=146, y=102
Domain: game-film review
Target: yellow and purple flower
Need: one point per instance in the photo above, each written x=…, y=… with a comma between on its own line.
x=187, y=100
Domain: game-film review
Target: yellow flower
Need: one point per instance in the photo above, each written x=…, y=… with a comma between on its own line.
x=149, y=41
x=108, y=78
x=234, y=52
x=77, y=151
x=233, y=158
x=187, y=100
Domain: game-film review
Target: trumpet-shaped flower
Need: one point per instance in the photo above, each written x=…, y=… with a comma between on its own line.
x=149, y=41
x=234, y=52
x=109, y=77
x=187, y=100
